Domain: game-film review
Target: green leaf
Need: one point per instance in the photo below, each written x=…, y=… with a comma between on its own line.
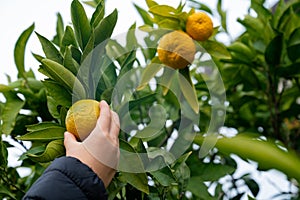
x=159, y=158
x=213, y=172
x=151, y=3
x=105, y=29
x=172, y=24
x=5, y=191
x=129, y=155
x=137, y=180
x=58, y=93
x=163, y=11
x=289, y=71
x=116, y=51
x=200, y=6
x=208, y=171
x=69, y=61
x=65, y=77
x=263, y=13
x=222, y=14
x=4, y=88
x=106, y=95
x=19, y=51
x=144, y=14
x=130, y=105
x=20, y=83
x=198, y=188
x=21, y=122
x=182, y=159
x=68, y=39
x=293, y=52
x=34, y=84
x=158, y=118
x=3, y=154
x=106, y=77
x=52, y=132
x=295, y=37
x=252, y=185
x=166, y=79
x=50, y=50
x=115, y=188
x=92, y=3
x=182, y=171
x=11, y=109
x=164, y=176
x=138, y=145
x=32, y=150
x=149, y=72
x=293, y=48
x=76, y=53
x=128, y=63
x=1, y=110
x=63, y=113
x=53, y=150
x=81, y=24
x=30, y=74
x=59, y=30
x=256, y=28
x=89, y=47
x=280, y=9
x=249, y=79
x=131, y=40
x=215, y=49
x=289, y=20
x=52, y=107
x=41, y=126
x=38, y=57
x=242, y=51
x=98, y=14
x=273, y=51
x=188, y=89
x=266, y=153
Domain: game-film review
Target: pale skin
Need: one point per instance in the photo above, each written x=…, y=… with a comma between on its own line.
x=109, y=126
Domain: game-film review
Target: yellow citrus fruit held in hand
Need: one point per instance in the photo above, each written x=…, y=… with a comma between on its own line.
x=199, y=26
x=176, y=49
x=82, y=117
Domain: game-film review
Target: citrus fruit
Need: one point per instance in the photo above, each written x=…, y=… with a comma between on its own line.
x=82, y=117
x=176, y=49
x=199, y=26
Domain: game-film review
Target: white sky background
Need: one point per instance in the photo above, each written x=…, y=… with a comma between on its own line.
x=17, y=15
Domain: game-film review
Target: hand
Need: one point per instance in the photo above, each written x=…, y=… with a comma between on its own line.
x=100, y=150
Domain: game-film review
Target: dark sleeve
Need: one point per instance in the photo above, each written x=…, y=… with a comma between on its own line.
x=67, y=178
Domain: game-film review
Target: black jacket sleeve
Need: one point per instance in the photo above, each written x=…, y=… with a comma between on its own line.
x=67, y=178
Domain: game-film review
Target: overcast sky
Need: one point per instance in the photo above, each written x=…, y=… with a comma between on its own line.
x=17, y=15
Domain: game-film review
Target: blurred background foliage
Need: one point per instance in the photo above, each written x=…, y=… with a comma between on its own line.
x=259, y=69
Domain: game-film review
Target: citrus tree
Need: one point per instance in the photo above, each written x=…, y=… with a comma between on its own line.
x=174, y=93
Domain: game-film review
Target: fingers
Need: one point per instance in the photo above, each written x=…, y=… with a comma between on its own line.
x=69, y=141
x=114, y=125
x=103, y=143
x=108, y=125
x=105, y=117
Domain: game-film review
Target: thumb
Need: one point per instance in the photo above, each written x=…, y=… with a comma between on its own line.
x=69, y=140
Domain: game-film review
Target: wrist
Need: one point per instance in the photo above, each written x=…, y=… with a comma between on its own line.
x=104, y=172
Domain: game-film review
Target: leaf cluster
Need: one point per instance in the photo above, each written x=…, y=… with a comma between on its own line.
x=258, y=89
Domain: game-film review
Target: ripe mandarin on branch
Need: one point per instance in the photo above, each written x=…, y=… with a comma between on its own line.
x=199, y=26
x=82, y=117
x=176, y=49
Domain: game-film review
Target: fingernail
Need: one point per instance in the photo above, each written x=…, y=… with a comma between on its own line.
x=66, y=134
x=103, y=103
